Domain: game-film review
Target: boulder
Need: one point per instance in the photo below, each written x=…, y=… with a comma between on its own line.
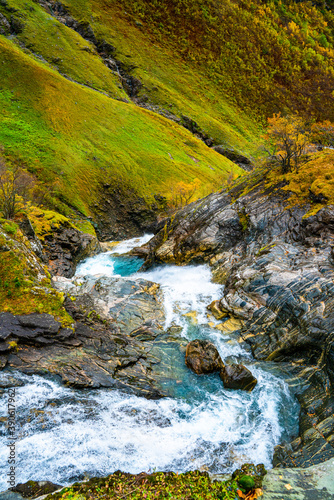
x=203, y=357
x=236, y=376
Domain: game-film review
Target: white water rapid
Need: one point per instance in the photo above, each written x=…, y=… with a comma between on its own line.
x=66, y=434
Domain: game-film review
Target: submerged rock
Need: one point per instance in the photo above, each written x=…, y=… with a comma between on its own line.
x=237, y=377
x=202, y=357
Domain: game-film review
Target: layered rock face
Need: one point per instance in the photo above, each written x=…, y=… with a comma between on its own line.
x=277, y=267
x=65, y=247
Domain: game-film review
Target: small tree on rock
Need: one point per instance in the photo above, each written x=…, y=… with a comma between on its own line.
x=289, y=139
x=182, y=192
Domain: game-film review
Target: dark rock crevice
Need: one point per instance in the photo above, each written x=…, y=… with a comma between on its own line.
x=122, y=214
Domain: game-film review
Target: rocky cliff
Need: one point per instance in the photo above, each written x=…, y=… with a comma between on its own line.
x=276, y=263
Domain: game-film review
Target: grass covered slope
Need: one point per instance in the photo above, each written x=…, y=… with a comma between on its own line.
x=221, y=64
x=170, y=81
x=79, y=138
x=267, y=56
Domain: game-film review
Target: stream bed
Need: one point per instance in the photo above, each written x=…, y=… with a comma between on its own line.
x=66, y=434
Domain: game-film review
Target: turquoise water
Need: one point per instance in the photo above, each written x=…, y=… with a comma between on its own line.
x=125, y=266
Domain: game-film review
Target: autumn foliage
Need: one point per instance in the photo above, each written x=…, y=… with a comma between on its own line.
x=323, y=133
x=182, y=193
x=289, y=140
x=15, y=186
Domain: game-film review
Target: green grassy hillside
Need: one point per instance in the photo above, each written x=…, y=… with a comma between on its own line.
x=71, y=134
x=67, y=118
x=222, y=67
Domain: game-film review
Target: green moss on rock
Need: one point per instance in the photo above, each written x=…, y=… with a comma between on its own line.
x=194, y=485
x=25, y=284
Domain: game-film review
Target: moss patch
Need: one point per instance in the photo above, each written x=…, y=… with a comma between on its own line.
x=193, y=485
x=25, y=285
x=46, y=221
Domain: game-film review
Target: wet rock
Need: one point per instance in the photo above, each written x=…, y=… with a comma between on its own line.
x=202, y=357
x=10, y=495
x=65, y=247
x=130, y=303
x=277, y=268
x=120, y=344
x=237, y=377
x=313, y=483
x=34, y=489
x=216, y=309
x=9, y=381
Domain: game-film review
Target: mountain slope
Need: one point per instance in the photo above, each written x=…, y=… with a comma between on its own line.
x=84, y=84
x=65, y=131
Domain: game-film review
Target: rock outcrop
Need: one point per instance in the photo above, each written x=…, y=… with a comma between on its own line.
x=87, y=356
x=65, y=247
x=117, y=339
x=277, y=267
x=314, y=483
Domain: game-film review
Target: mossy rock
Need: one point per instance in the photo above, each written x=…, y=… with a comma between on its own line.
x=250, y=471
x=246, y=482
x=33, y=489
x=159, y=485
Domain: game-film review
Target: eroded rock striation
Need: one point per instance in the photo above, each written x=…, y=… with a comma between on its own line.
x=276, y=263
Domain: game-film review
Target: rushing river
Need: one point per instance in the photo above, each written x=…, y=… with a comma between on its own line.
x=66, y=434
